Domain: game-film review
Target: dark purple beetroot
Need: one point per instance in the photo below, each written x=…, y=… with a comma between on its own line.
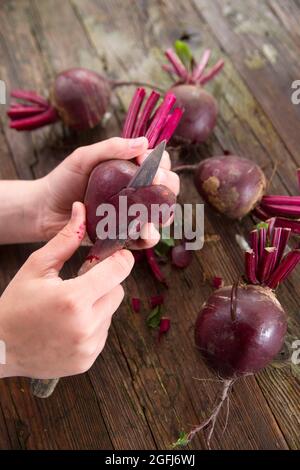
x=250, y=341
x=231, y=184
x=200, y=107
x=241, y=328
x=200, y=112
x=81, y=97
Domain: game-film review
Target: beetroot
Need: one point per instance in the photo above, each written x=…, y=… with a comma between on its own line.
x=200, y=107
x=235, y=186
x=181, y=257
x=79, y=97
x=231, y=184
x=241, y=328
x=109, y=179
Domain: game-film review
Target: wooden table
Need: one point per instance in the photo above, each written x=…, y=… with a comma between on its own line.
x=141, y=394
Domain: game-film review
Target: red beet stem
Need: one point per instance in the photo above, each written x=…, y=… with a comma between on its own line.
x=285, y=235
x=36, y=121
x=254, y=245
x=282, y=210
x=212, y=72
x=271, y=225
x=250, y=266
x=178, y=66
x=142, y=121
x=275, y=242
x=154, y=265
x=280, y=200
x=17, y=112
x=199, y=68
x=172, y=122
x=159, y=119
x=294, y=225
x=168, y=68
x=262, y=237
x=133, y=111
x=287, y=265
x=267, y=264
x=31, y=96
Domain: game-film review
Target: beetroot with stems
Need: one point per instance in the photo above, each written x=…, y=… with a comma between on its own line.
x=235, y=186
x=200, y=107
x=79, y=97
x=241, y=328
x=109, y=179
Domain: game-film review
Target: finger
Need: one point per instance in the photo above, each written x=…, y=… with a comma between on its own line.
x=104, y=276
x=169, y=179
x=164, y=163
x=60, y=248
x=149, y=237
x=104, y=308
x=84, y=159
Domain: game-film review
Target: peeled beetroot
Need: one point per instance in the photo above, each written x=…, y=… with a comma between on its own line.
x=241, y=328
x=200, y=107
x=231, y=184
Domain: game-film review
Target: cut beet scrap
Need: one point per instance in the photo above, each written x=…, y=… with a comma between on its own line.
x=152, y=261
x=164, y=326
x=181, y=257
x=156, y=300
x=136, y=304
x=217, y=282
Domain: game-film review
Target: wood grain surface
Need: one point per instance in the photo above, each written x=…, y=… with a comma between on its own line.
x=140, y=393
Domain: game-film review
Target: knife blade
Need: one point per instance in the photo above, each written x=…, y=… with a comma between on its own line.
x=147, y=171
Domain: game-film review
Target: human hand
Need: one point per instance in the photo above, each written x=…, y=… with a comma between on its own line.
x=67, y=182
x=55, y=328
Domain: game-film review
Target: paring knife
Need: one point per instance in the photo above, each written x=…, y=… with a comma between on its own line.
x=144, y=176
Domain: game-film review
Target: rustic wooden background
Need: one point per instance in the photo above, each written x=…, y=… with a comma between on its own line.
x=141, y=394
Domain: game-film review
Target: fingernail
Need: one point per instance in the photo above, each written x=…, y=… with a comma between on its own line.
x=139, y=142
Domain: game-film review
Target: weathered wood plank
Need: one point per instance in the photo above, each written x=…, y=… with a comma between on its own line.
x=264, y=55
x=140, y=394
x=93, y=14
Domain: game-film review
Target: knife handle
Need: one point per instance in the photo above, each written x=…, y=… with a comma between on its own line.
x=102, y=249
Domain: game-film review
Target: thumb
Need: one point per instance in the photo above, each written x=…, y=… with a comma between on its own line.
x=61, y=247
